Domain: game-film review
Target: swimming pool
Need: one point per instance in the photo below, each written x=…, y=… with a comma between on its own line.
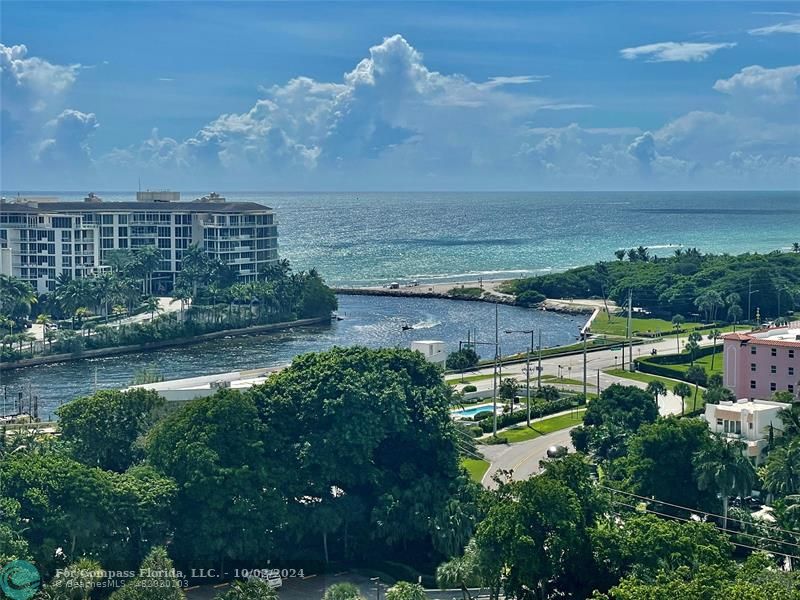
x=472, y=411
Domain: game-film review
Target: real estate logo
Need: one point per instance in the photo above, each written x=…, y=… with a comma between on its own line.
x=19, y=580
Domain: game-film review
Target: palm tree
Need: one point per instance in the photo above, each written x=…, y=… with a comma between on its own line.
x=16, y=297
x=714, y=336
x=620, y=254
x=723, y=468
x=696, y=375
x=782, y=473
x=656, y=388
x=682, y=390
x=692, y=345
x=152, y=305
x=796, y=247
x=148, y=259
x=677, y=321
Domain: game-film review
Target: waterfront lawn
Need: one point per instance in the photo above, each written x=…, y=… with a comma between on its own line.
x=618, y=325
x=475, y=467
x=670, y=383
x=543, y=427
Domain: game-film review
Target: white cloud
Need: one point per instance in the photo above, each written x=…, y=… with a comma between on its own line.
x=495, y=82
x=30, y=83
x=770, y=85
x=674, y=51
x=788, y=27
x=67, y=144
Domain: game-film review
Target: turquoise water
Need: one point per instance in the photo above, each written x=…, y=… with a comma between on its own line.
x=371, y=238
x=472, y=411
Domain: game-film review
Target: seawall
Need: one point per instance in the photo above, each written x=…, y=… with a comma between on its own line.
x=100, y=352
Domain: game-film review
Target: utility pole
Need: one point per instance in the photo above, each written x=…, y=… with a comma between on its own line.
x=630, y=330
x=598, y=382
x=585, y=335
x=539, y=366
x=527, y=368
x=494, y=372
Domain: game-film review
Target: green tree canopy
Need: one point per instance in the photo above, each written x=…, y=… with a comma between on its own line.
x=104, y=430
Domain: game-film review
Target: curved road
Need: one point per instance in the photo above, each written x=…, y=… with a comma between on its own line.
x=522, y=458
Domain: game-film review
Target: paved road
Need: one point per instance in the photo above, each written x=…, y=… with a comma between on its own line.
x=572, y=367
x=522, y=457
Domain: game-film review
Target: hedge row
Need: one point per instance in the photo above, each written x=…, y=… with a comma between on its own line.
x=678, y=359
x=539, y=408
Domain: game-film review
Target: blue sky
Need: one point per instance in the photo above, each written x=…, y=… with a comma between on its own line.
x=383, y=95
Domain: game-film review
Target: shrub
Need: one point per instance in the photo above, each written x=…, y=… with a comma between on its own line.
x=343, y=591
x=484, y=414
x=530, y=298
x=470, y=388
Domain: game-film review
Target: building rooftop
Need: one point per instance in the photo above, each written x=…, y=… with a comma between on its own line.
x=751, y=406
x=787, y=335
x=194, y=206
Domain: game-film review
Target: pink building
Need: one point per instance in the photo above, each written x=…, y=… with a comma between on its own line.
x=762, y=362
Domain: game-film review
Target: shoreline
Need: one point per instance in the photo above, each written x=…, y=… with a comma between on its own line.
x=133, y=349
x=490, y=294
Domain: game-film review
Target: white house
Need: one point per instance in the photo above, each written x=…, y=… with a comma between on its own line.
x=433, y=350
x=748, y=421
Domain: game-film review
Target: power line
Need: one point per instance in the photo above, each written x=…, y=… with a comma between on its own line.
x=729, y=531
x=696, y=510
x=665, y=515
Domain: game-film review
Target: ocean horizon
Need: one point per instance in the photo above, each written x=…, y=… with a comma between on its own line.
x=372, y=238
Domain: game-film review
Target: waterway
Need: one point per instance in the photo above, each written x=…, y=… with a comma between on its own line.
x=367, y=320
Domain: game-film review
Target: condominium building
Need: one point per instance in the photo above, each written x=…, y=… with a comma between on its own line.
x=41, y=238
x=762, y=362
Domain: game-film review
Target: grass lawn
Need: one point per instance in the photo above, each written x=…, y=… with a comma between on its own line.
x=545, y=426
x=704, y=361
x=467, y=292
x=618, y=325
x=669, y=383
x=475, y=467
x=469, y=378
x=563, y=380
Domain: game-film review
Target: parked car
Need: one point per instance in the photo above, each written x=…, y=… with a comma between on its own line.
x=556, y=451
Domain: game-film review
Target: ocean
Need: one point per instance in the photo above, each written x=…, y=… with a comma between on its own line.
x=360, y=238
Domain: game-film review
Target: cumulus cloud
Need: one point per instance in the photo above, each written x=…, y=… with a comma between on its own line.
x=30, y=83
x=769, y=85
x=67, y=145
x=787, y=27
x=388, y=103
x=674, y=51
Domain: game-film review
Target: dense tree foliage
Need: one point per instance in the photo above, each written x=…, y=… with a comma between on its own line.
x=105, y=429
x=611, y=418
x=227, y=506
x=370, y=445
x=687, y=282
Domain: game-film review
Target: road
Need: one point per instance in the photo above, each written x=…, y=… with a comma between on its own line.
x=313, y=588
x=523, y=457
x=598, y=361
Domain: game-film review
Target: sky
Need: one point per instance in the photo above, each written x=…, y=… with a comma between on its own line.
x=399, y=96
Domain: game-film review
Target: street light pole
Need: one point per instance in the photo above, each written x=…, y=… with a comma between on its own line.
x=527, y=368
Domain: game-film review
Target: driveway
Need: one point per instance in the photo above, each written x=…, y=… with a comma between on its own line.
x=522, y=457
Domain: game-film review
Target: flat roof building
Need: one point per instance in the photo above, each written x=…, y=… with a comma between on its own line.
x=762, y=362
x=748, y=421
x=45, y=237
